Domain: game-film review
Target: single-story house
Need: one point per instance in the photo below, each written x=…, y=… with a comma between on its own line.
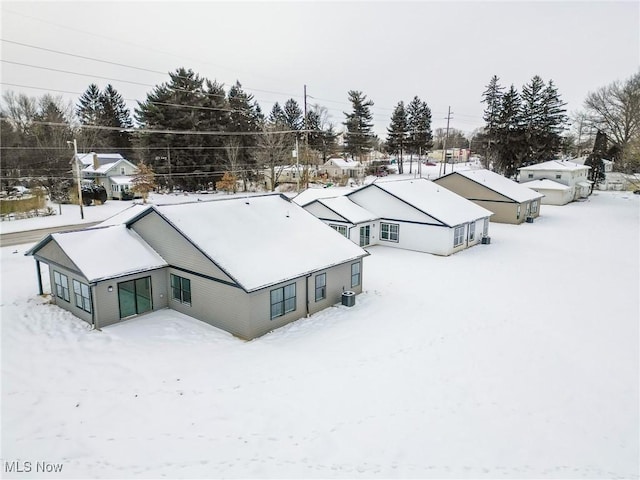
x=508, y=200
x=288, y=174
x=338, y=167
x=111, y=170
x=245, y=265
x=411, y=214
x=554, y=193
x=574, y=175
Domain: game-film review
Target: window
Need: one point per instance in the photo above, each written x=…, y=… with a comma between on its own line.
x=134, y=297
x=122, y=171
x=558, y=176
x=62, y=285
x=83, y=299
x=534, y=206
x=321, y=287
x=365, y=235
x=518, y=213
x=458, y=236
x=472, y=231
x=485, y=227
x=342, y=229
x=283, y=300
x=181, y=289
x=389, y=232
x=355, y=274
x=530, y=175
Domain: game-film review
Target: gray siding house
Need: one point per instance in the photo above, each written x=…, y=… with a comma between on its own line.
x=246, y=265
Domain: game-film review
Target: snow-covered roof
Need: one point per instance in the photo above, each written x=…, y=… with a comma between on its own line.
x=347, y=209
x=554, y=165
x=105, y=167
x=545, y=184
x=261, y=241
x=103, y=158
x=124, y=216
x=311, y=194
x=343, y=162
x=102, y=253
x=582, y=159
x=500, y=184
x=121, y=179
x=434, y=200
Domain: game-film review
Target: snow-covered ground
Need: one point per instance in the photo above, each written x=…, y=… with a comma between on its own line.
x=517, y=359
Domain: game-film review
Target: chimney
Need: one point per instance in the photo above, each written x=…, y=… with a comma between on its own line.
x=96, y=163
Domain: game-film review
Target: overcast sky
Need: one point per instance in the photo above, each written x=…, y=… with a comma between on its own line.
x=444, y=52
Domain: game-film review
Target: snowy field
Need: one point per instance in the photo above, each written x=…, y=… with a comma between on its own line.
x=517, y=359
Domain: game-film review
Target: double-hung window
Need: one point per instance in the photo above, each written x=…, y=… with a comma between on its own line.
x=534, y=206
x=458, y=236
x=181, y=289
x=81, y=293
x=321, y=286
x=355, y=274
x=283, y=300
x=62, y=285
x=389, y=232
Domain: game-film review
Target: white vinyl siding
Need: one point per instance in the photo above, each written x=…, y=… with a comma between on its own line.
x=389, y=232
x=62, y=285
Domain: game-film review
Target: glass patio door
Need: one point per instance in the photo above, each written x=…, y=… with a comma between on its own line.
x=134, y=297
x=365, y=235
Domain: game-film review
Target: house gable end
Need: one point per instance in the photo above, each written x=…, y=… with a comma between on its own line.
x=51, y=252
x=321, y=211
x=471, y=189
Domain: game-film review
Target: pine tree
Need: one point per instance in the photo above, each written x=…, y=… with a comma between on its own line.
x=492, y=98
x=143, y=181
x=419, y=126
x=89, y=112
x=511, y=147
x=555, y=122
x=292, y=115
x=320, y=133
x=114, y=113
x=397, y=133
x=359, y=126
x=277, y=116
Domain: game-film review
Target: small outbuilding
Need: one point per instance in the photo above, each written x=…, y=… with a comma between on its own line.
x=554, y=193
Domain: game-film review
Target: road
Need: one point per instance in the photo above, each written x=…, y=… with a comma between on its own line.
x=32, y=236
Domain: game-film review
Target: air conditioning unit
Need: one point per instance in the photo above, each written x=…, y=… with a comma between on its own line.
x=529, y=219
x=486, y=240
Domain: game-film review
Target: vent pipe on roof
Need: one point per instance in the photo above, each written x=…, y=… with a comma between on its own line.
x=96, y=163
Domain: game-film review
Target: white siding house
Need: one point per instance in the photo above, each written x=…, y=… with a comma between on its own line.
x=411, y=214
x=554, y=193
x=111, y=170
x=571, y=174
x=338, y=167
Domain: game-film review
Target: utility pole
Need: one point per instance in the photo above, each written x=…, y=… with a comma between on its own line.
x=444, y=146
x=77, y=160
x=306, y=139
x=170, y=177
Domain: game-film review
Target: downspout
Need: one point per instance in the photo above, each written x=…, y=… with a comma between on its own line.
x=94, y=319
x=40, y=290
x=306, y=279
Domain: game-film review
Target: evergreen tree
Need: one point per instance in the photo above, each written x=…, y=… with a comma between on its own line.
x=277, y=115
x=533, y=116
x=492, y=98
x=555, y=121
x=359, y=126
x=292, y=115
x=397, y=136
x=320, y=133
x=511, y=147
x=89, y=109
x=114, y=113
x=419, y=127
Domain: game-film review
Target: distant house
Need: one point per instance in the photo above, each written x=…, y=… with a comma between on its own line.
x=554, y=193
x=608, y=164
x=288, y=174
x=571, y=174
x=338, y=167
x=411, y=214
x=508, y=200
x=245, y=265
x=111, y=170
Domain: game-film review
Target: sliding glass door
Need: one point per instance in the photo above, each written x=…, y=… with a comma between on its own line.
x=134, y=297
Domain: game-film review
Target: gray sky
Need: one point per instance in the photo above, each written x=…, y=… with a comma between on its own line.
x=444, y=52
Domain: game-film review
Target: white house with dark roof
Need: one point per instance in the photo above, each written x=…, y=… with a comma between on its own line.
x=568, y=173
x=111, y=170
x=337, y=167
x=509, y=201
x=411, y=214
x=245, y=265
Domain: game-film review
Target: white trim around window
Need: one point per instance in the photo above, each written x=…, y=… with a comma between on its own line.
x=458, y=236
x=82, y=295
x=61, y=282
x=341, y=229
x=389, y=232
